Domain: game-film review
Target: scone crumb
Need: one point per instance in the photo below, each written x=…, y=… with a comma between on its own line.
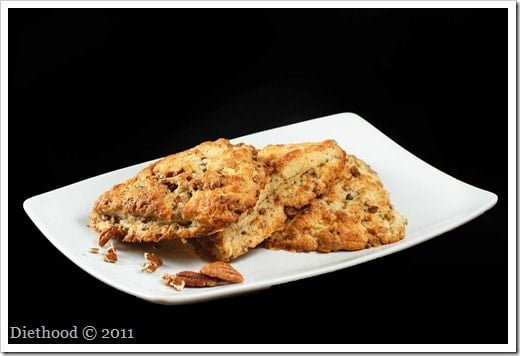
x=93, y=250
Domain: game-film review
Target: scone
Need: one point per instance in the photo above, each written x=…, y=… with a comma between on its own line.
x=300, y=173
x=356, y=213
x=192, y=193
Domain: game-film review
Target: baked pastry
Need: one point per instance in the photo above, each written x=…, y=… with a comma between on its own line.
x=356, y=213
x=300, y=173
x=192, y=193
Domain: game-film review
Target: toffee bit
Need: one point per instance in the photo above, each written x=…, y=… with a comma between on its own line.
x=355, y=171
x=351, y=195
x=373, y=209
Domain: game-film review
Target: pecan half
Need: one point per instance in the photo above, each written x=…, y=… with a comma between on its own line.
x=152, y=261
x=197, y=280
x=223, y=271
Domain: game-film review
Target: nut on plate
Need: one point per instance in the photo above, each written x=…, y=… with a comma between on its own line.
x=110, y=255
x=196, y=279
x=222, y=271
x=173, y=281
x=152, y=261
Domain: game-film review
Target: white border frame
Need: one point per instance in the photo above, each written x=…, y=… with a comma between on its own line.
x=189, y=348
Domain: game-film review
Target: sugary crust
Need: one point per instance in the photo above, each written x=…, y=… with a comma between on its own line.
x=300, y=173
x=356, y=213
x=192, y=193
x=306, y=170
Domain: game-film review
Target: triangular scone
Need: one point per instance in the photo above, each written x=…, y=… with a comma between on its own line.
x=300, y=173
x=196, y=192
x=356, y=213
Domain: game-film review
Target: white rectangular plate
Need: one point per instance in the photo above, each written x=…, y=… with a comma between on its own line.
x=62, y=216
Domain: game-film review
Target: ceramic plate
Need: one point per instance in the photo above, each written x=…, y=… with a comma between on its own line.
x=62, y=216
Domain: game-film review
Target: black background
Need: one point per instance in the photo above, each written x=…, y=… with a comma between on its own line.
x=93, y=90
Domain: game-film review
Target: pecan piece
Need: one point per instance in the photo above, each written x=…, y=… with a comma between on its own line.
x=111, y=232
x=152, y=261
x=173, y=281
x=111, y=255
x=197, y=280
x=104, y=237
x=223, y=271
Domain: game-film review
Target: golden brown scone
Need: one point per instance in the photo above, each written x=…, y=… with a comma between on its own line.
x=192, y=193
x=300, y=173
x=251, y=229
x=356, y=213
